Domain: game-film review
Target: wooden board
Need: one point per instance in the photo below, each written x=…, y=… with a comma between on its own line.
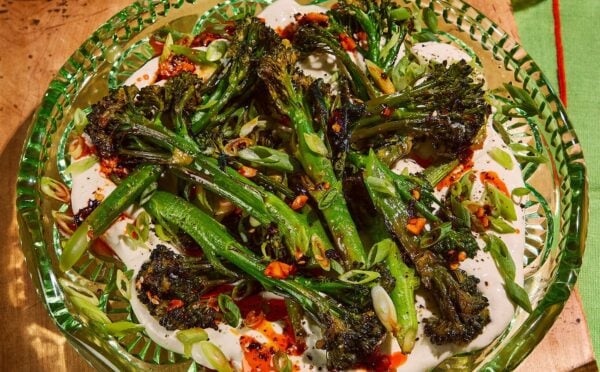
x=36, y=37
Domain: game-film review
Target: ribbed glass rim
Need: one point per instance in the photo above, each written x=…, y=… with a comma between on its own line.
x=101, y=50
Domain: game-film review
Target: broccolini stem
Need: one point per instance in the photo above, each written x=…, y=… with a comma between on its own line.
x=403, y=294
x=126, y=194
x=261, y=204
x=212, y=236
x=334, y=209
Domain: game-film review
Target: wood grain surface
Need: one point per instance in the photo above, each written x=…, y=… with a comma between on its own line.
x=36, y=37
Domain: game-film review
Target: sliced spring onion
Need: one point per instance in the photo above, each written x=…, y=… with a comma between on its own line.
x=55, y=189
x=518, y=295
x=429, y=238
x=430, y=19
x=166, y=52
x=133, y=244
x=501, y=256
x=267, y=157
x=384, y=308
x=215, y=357
x=160, y=233
x=390, y=44
x=231, y=313
x=381, y=185
x=379, y=251
x=501, y=157
x=520, y=192
x=216, y=50
x=460, y=211
x=148, y=192
x=81, y=165
x=315, y=144
x=526, y=153
x=523, y=101
x=189, y=337
x=123, y=284
x=337, y=267
x=500, y=202
x=87, y=309
x=75, y=290
x=194, y=55
x=499, y=225
x=359, y=276
x=243, y=289
x=64, y=222
x=122, y=328
x=80, y=121
x=318, y=251
x=330, y=195
x=400, y=14
x=506, y=266
x=142, y=223
x=249, y=127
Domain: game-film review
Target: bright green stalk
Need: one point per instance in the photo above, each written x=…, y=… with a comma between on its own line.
x=266, y=207
x=127, y=193
x=213, y=237
x=403, y=294
x=276, y=71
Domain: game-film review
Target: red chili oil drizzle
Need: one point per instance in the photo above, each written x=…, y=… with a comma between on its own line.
x=494, y=179
x=100, y=248
x=465, y=165
x=223, y=288
x=379, y=362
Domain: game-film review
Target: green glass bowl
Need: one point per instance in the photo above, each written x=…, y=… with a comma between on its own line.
x=556, y=213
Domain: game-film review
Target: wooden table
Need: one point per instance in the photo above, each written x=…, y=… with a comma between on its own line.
x=36, y=37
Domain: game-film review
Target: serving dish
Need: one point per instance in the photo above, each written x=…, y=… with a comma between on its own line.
x=556, y=216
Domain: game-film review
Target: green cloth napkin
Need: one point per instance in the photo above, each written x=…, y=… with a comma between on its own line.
x=581, y=43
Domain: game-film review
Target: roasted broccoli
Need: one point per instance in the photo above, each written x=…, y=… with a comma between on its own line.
x=446, y=109
x=462, y=309
x=287, y=88
x=171, y=286
x=228, y=87
x=348, y=335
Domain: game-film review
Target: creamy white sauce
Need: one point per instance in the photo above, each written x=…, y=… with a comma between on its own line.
x=439, y=52
x=426, y=355
x=91, y=183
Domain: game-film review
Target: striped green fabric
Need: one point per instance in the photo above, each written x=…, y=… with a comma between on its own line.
x=581, y=43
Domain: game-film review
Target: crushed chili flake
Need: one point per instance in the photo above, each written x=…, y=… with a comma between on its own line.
x=205, y=38
x=110, y=166
x=416, y=225
x=173, y=66
x=247, y=172
x=299, y=202
x=457, y=173
x=347, y=42
x=174, y=304
x=416, y=194
x=387, y=111
x=279, y=270
x=493, y=178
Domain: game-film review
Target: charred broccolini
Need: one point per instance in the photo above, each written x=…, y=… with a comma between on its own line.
x=462, y=309
x=171, y=286
x=310, y=143
x=287, y=88
x=447, y=109
x=348, y=334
